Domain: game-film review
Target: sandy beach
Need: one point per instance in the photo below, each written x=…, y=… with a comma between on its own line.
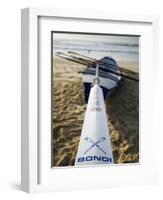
x=68, y=109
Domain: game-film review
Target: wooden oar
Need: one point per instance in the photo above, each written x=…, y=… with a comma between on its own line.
x=75, y=58
x=126, y=71
x=91, y=59
x=70, y=59
x=124, y=74
x=66, y=57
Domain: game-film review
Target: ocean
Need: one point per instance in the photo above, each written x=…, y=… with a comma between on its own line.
x=122, y=49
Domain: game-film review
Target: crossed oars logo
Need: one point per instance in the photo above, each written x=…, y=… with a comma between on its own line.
x=95, y=144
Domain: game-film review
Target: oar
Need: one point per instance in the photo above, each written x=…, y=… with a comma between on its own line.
x=101, y=62
x=82, y=59
x=65, y=56
x=92, y=59
x=75, y=58
x=70, y=58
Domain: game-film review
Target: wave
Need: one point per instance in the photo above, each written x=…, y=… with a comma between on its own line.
x=106, y=49
x=96, y=46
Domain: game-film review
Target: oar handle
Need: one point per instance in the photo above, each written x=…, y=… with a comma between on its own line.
x=97, y=78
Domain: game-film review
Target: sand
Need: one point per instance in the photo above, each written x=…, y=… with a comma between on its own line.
x=68, y=109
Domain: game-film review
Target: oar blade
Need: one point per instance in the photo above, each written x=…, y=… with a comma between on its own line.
x=95, y=145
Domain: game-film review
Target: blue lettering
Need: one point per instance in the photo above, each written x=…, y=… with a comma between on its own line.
x=98, y=158
x=106, y=159
x=89, y=158
x=81, y=159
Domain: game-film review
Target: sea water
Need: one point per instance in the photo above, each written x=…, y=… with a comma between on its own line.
x=121, y=48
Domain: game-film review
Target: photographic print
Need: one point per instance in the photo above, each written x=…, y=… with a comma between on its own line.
x=95, y=99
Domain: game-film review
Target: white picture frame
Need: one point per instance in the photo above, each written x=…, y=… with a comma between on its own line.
x=36, y=171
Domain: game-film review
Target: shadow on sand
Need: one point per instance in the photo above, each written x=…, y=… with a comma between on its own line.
x=123, y=112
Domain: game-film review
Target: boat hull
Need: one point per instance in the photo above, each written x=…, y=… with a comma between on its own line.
x=107, y=84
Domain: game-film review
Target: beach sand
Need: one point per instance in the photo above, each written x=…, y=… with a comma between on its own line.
x=68, y=110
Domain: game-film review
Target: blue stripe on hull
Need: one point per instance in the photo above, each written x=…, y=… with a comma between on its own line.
x=108, y=69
